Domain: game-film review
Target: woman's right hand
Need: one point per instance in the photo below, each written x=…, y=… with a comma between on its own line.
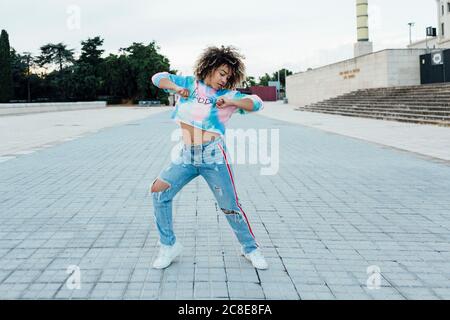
x=182, y=92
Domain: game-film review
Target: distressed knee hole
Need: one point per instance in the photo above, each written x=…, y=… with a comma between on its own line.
x=226, y=211
x=159, y=186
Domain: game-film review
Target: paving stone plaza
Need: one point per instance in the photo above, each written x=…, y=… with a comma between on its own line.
x=342, y=218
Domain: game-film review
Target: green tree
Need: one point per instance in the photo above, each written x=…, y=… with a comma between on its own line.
x=282, y=74
x=117, y=77
x=19, y=74
x=83, y=82
x=26, y=80
x=23, y=78
x=90, y=52
x=144, y=60
x=249, y=82
x=264, y=80
x=6, y=80
x=59, y=82
x=85, y=79
x=55, y=54
x=126, y=75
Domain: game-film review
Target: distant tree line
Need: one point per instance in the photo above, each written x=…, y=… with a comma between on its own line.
x=56, y=75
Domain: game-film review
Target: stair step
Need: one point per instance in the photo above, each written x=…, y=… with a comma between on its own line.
x=381, y=106
x=383, y=110
x=419, y=104
x=383, y=114
x=393, y=103
x=398, y=118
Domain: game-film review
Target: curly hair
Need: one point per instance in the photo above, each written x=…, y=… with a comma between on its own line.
x=213, y=57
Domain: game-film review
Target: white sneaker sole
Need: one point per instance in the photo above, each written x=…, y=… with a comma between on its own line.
x=177, y=253
x=257, y=267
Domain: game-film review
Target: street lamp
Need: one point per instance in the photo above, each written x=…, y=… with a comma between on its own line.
x=411, y=24
x=285, y=82
x=28, y=57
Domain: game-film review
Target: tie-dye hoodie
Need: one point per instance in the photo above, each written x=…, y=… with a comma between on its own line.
x=199, y=109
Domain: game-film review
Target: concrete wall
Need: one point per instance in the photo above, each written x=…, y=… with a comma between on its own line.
x=387, y=68
x=404, y=67
x=24, y=108
x=431, y=43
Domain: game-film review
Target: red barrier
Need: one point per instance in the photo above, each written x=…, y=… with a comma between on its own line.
x=265, y=93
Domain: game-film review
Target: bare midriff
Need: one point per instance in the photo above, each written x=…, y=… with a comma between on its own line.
x=193, y=135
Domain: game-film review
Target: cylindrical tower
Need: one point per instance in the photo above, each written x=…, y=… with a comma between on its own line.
x=363, y=45
x=362, y=18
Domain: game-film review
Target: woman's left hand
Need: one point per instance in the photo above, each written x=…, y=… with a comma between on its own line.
x=222, y=103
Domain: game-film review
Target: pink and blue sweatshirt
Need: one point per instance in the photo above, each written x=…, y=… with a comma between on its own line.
x=199, y=109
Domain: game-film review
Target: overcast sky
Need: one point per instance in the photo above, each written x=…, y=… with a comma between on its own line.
x=272, y=34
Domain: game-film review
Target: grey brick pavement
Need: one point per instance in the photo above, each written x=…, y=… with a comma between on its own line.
x=337, y=206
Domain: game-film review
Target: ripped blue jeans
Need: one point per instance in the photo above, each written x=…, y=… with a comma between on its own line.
x=210, y=160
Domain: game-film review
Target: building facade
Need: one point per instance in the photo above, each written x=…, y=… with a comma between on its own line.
x=442, y=39
x=386, y=68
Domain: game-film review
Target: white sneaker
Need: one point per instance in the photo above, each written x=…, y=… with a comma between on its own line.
x=257, y=259
x=166, y=255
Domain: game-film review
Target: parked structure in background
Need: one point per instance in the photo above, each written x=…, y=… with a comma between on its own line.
x=266, y=93
x=435, y=67
x=277, y=85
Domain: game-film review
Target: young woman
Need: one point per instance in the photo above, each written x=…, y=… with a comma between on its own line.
x=205, y=104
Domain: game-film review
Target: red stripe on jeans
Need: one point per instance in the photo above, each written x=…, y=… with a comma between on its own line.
x=234, y=188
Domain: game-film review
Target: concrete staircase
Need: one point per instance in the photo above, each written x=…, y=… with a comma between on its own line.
x=427, y=104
